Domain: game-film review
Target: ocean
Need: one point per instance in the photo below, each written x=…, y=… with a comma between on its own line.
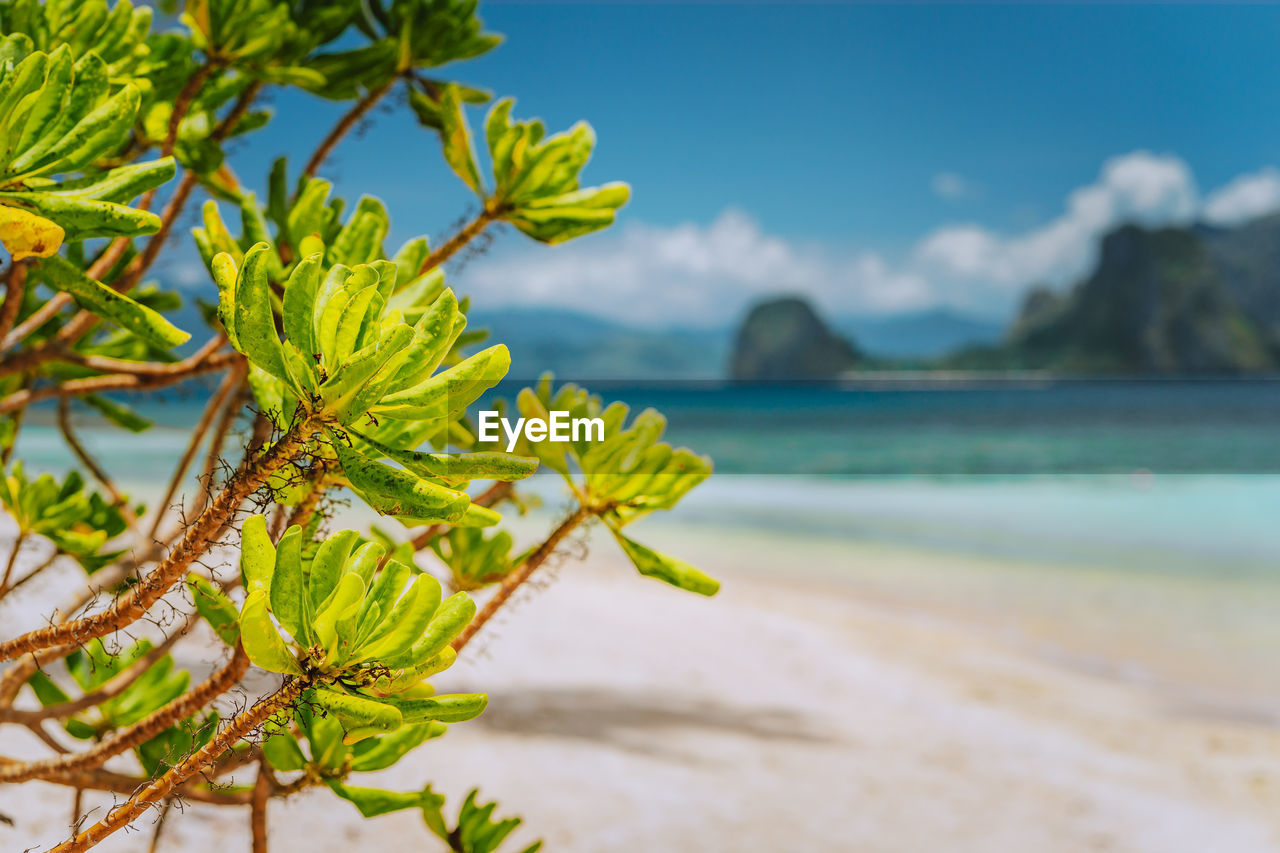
x=1123, y=527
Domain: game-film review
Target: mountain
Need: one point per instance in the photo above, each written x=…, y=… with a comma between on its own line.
x=786, y=339
x=1160, y=301
x=578, y=346
x=925, y=334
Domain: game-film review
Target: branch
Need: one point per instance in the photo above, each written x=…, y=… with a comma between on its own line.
x=462, y=238
x=229, y=383
x=134, y=603
x=262, y=790
x=113, y=687
x=69, y=436
x=344, y=126
x=512, y=582
x=15, y=290
x=140, y=732
x=119, y=783
x=242, y=725
x=181, y=371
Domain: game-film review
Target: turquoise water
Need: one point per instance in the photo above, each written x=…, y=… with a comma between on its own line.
x=1124, y=527
x=1168, y=475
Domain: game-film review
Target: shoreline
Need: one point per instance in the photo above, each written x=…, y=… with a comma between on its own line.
x=780, y=714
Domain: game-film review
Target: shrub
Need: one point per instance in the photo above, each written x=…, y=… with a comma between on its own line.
x=335, y=366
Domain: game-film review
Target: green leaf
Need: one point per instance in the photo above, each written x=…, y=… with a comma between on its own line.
x=216, y=608
x=111, y=306
x=118, y=413
x=391, y=491
x=257, y=554
x=262, y=642
x=254, y=318
x=675, y=572
x=374, y=801
x=286, y=582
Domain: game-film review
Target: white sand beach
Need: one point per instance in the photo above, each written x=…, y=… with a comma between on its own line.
x=797, y=715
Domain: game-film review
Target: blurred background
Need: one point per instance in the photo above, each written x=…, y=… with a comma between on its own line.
x=977, y=309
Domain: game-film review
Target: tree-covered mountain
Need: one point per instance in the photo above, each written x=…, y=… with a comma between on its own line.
x=786, y=339
x=1159, y=301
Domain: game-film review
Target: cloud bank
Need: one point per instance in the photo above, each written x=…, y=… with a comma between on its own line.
x=694, y=274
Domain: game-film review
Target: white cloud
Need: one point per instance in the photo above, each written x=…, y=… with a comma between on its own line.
x=1246, y=197
x=688, y=273
x=707, y=273
x=952, y=186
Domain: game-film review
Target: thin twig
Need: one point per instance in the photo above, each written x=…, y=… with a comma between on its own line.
x=140, y=732
x=229, y=383
x=242, y=725
x=15, y=290
x=343, y=126
x=512, y=582
x=69, y=436
x=109, y=689
x=461, y=239
x=133, y=604
x=262, y=789
x=118, y=382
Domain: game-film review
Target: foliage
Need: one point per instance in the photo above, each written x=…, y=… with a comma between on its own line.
x=351, y=369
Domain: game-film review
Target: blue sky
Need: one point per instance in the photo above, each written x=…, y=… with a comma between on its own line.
x=880, y=158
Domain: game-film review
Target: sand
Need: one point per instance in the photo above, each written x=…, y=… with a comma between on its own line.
x=778, y=716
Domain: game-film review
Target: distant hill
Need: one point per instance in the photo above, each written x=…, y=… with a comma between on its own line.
x=786, y=339
x=574, y=345
x=919, y=334
x=1160, y=301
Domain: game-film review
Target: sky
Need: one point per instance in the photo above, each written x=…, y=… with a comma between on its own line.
x=876, y=158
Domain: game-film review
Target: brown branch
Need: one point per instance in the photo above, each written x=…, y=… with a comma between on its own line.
x=9, y=565
x=155, y=835
x=229, y=383
x=34, y=572
x=343, y=126
x=242, y=725
x=109, y=689
x=262, y=790
x=109, y=258
x=119, y=783
x=134, y=603
x=512, y=582
x=69, y=436
x=118, y=382
x=15, y=290
x=140, y=732
x=462, y=238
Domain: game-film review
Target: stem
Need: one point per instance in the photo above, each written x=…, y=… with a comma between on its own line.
x=119, y=783
x=262, y=789
x=140, y=732
x=69, y=436
x=219, y=439
x=229, y=383
x=113, y=687
x=134, y=604
x=182, y=103
x=343, y=126
x=15, y=290
x=46, y=312
x=462, y=238
x=155, y=836
x=118, y=382
x=13, y=560
x=521, y=574
x=243, y=724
